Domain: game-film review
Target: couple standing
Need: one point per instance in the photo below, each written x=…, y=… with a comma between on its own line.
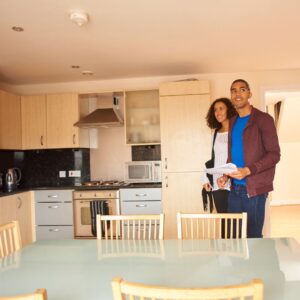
x=246, y=137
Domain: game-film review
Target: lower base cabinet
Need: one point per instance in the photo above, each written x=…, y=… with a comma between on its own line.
x=54, y=232
x=53, y=214
x=19, y=207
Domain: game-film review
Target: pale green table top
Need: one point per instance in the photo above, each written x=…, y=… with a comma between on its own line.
x=83, y=269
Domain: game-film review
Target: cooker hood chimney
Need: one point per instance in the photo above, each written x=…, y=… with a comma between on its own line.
x=103, y=117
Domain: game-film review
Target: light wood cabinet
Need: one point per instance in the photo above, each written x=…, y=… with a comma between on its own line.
x=142, y=117
x=48, y=121
x=34, y=134
x=18, y=207
x=10, y=121
x=185, y=146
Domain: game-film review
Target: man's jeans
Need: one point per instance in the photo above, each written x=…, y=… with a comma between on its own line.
x=239, y=202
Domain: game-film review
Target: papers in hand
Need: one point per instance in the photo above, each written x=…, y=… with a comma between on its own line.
x=223, y=169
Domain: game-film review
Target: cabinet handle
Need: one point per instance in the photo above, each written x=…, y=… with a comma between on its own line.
x=141, y=205
x=167, y=183
x=52, y=196
x=53, y=206
x=42, y=140
x=54, y=230
x=19, y=202
x=141, y=195
x=166, y=163
x=74, y=139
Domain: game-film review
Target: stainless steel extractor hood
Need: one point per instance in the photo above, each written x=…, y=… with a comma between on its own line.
x=102, y=117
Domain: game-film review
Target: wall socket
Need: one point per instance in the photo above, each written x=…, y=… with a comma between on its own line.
x=75, y=173
x=62, y=174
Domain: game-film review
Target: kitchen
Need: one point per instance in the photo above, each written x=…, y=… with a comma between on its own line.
x=117, y=69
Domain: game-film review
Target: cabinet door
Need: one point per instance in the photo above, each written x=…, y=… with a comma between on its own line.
x=185, y=137
x=142, y=117
x=181, y=192
x=24, y=209
x=62, y=112
x=34, y=122
x=10, y=121
x=7, y=209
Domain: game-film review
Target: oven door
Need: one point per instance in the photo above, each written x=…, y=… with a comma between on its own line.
x=82, y=216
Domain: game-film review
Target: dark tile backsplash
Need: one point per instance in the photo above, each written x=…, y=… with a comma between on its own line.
x=40, y=168
x=150, y=152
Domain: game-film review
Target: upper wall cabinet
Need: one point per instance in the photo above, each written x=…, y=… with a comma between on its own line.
x=48, y=121
x=142, y=117
x=10, y=121
x=34, y=122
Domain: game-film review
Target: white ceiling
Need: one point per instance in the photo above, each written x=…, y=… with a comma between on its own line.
x=140, y=38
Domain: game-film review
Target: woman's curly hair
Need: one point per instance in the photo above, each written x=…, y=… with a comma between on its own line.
x=210, y=117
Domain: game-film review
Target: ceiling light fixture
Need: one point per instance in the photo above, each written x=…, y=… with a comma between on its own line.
x=17, y=28
x=75, y=67
x=79, y=18
x=87, y=72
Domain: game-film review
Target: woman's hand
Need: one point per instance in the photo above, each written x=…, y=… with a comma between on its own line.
x=207, y=187
x=221, y=181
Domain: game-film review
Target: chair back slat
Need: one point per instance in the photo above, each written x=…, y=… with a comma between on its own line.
x=211, y=226
x=130, y=227
x=10, y=238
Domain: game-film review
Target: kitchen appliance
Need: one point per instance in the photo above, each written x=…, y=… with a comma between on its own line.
x=12, y=179
x=1, y=181
x=104, y=117
x=143, y=171
x=86, y=202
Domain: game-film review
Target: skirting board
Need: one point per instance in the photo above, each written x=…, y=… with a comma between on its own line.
x=284, y=202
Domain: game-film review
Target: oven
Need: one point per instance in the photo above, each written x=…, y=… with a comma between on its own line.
x=83, y=215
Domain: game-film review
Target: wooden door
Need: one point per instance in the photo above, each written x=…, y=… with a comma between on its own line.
x=10, y=121
x=185, y=137
x=181, y=192
x=62, y=113
x=24, y=216
x=34, y=122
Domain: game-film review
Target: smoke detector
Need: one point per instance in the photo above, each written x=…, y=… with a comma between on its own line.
x=79, y=18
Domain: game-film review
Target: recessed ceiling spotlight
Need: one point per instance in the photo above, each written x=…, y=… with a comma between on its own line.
x=75, y=67
x=87, y=72
x=79, y=18
x=17, y=28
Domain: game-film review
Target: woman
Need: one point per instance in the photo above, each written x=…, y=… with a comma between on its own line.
x=218, y=115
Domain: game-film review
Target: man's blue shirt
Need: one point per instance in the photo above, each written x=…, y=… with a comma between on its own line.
x=237, y=146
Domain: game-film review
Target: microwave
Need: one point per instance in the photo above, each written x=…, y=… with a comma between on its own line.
x=143, y=171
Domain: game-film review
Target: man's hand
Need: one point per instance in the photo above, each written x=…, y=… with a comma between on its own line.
x=207, y=187
x=221, y=181
x=241, y=173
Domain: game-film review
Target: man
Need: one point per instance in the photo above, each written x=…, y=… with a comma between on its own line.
x=253, y=147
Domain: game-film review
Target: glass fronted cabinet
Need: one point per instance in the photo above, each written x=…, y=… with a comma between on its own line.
x=142, y=117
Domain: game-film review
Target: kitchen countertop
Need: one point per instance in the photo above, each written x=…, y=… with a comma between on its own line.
x=80, y=188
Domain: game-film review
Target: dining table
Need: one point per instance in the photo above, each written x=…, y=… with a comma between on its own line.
x=82, y=269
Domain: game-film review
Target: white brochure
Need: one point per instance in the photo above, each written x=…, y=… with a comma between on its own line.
x=223, y=169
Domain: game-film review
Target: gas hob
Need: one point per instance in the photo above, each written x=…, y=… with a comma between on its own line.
x=102, y=185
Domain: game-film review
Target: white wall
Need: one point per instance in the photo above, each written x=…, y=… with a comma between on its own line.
x=107, y=161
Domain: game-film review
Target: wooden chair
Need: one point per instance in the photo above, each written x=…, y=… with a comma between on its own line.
x=130, y=227
x=128, y=290
x=211, y=226
x=39, y=294
x=10, y=238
